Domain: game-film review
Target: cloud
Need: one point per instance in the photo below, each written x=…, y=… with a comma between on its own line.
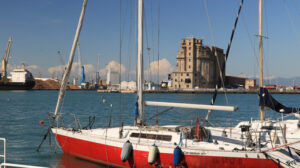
x=113, y=66
x=163, y=70
x=34, y=69
x=56, y=71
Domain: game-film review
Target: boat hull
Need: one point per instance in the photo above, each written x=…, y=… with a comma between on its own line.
x=17, y=85
x=110, y=155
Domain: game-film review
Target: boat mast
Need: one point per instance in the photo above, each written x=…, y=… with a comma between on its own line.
x=65, y=78
x=261, y=108
x=140, y=72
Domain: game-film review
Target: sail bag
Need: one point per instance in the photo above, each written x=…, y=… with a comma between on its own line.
x=266, y=99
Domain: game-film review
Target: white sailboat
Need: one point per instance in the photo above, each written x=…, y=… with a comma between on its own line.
x=279, y=132
x=166, y=146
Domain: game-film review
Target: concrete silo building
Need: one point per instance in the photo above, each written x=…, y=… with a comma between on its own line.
x=197, y=65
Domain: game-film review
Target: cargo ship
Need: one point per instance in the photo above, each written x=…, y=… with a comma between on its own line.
x=21, y=79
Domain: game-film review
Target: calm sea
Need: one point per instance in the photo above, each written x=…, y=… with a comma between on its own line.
x=22, y=111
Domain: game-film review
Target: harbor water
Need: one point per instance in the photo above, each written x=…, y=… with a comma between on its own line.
x=22, y=111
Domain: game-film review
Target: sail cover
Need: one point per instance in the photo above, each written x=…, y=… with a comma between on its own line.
x=266, y=99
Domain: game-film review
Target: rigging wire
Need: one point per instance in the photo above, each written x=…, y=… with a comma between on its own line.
x=130, y=41
x=120, y=60
x=153, y=48
x=158, y=40
x=295, y=6
x=123, y=25
x=123, y=104
x=135, y=37
x=158, y=49
x=251, y=41
x=222, y=69
x=147, y=42
x=213, y=41
x=266, y=51
x=291, y=22
x=266, y=48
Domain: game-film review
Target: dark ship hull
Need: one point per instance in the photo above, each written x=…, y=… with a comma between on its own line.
x=17, y=85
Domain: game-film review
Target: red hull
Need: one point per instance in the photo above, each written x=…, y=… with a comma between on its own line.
x=110, y=155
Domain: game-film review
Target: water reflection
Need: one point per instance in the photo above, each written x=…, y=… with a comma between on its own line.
x=68, y=161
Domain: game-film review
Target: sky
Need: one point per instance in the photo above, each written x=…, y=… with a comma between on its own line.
x=40, y=28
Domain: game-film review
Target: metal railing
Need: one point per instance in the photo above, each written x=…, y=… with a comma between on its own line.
x=4, y=164
x=4, y=150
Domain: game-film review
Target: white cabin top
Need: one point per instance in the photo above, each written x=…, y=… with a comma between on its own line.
x=21, y=75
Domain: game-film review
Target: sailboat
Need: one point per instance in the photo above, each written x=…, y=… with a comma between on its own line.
x=164, y=146
x=285, y=132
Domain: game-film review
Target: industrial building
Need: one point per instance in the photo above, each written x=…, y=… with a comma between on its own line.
x=128, y=85
x=113, y=80
x=113, y=77
x=240, y=82
x=197, y=65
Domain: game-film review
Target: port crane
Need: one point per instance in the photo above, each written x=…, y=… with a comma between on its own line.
x=5, y=59
x=83, y=83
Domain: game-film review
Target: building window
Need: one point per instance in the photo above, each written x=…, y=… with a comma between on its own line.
x=189, y=54
x=190, y=60
x=175, y=86
x=195, y=74
x=175, y=80
x=190, y=43
x=187, y=74
x=187, y=80
x=181, y=74
x=190, y=48
x=187, y=86
x=180, y=80
x=189, y=67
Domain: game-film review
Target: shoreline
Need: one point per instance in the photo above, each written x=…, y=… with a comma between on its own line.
x=208, y=91
x=230, y=91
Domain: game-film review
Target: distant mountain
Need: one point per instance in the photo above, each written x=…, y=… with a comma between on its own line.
x=282, y=81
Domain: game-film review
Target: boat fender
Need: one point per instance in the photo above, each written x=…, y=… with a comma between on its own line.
x=153, y=150
x=126, y=151
x=177, y=156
